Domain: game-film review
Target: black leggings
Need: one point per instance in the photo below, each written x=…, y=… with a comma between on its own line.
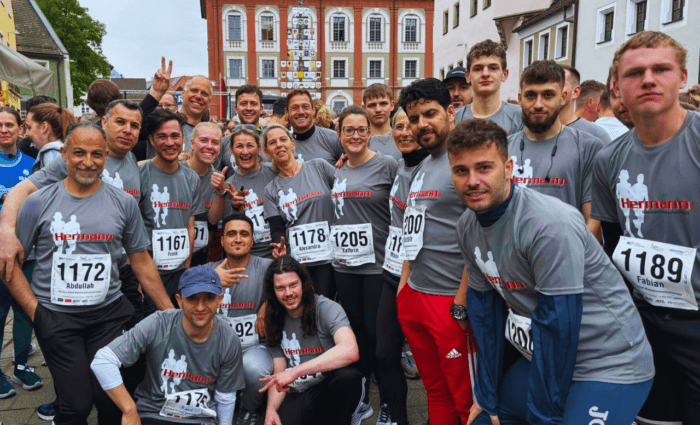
x=389, y=345
x=323, y=279
x=359, y=296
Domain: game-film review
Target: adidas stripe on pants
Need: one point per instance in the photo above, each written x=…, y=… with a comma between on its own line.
x=445, y=354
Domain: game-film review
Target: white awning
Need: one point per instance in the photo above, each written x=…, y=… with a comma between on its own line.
x=24, y=72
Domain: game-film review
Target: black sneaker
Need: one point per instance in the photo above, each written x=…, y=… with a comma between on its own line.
x=246, y=417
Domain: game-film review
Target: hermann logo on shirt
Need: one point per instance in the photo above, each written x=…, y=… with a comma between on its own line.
x=490, y=271
x=416, y=193
x=176, y=370
x=161, y=203
x=66, y=235
x=635, y=198
x=522, y=175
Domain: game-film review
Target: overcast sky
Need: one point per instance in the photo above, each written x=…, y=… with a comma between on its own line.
x=139, y=32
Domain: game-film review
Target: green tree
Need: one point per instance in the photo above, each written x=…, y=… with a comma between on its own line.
x=82, y=37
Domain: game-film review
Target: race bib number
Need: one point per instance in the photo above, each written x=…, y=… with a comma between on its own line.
x=261, y=231
x=245, y=328
x=519, y=333
x=660, y=272
x=305, y=382
x=171, y=247
x=188, y=404
x=394, y=253
x=353, y=244
x=201, y=235
x=80, y=279
x=310, y=242
x=413, y=226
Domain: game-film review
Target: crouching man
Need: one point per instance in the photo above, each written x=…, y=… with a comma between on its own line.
x=312, y=346
x=193, y=360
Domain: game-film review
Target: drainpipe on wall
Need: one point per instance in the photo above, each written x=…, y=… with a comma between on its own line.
x=573, y=50
x=69, y=83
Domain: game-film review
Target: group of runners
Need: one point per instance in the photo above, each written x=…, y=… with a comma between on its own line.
x=542, y=268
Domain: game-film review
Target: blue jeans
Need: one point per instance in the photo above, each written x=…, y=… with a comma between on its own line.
x=588, y=403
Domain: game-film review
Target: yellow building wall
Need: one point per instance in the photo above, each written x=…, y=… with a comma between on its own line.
x=9, y=95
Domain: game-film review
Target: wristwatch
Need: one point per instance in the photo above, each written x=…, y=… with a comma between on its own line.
x=220, y=195
x=459, y=312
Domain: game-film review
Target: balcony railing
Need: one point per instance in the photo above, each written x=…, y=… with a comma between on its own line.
x=339, y=45
x=235, y=44
x=411, y=46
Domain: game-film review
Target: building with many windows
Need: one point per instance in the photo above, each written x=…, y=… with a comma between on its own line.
x=549, y=35
x=459, y=24
x=333, y=48
x=604, y=25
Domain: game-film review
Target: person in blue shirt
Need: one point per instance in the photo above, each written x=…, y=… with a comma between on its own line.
x=15, y=167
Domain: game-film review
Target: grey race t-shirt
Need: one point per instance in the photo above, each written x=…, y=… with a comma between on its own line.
x=571, y=169
x=591, y=128
x=169, y=200
x=247, y=296
x=509, y=117
x=122, y=173
x=614, y=127
x=302, y=199
x=651, y=191
x=322, y=144
x=542, y=246
x=360, y=196
x=385, y=145
x=176, y=363
x=207, y=195
x=399, y=195
x=58, y=224
x=438, y=267
x=255, y=182
x=298, y=348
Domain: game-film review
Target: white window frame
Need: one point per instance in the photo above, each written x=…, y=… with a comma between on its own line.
x=381, y=29
x=346, y=46
x=445, y=21
x=274, y=30
x=666, y=14
x=267, y=11
x=274, y=66
x=235, y=81
x=228, y=30
x=540, y=51
x=410, y=47
x=417, y=60
x=382, y=70
x=404, y=30
x=557, y=44
x=600, y=27
x=236, y=10
x=345, y=27
x=377, y=47
x=347, y=71
x=43, y=63
x=455, y=15
x=631, y=24
x=531, y=39
x=338, y=95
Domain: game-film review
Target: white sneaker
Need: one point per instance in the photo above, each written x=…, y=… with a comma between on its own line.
x=364, y=412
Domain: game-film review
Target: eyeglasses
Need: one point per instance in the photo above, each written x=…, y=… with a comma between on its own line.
x=362, y=131
x=250, y=127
